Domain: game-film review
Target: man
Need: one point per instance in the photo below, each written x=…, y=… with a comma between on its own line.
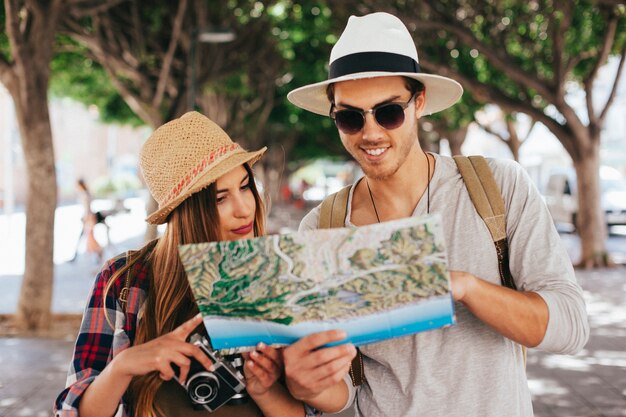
x=376, y=94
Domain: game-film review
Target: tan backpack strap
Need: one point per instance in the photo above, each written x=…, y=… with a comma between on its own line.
x=487, y=198
x=484, y=193
x=334, y=209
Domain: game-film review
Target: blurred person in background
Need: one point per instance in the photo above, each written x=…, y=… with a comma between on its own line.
x=89, y=220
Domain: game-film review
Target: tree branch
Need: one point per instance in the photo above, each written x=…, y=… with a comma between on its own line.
x=558, y=34
x=169, y=55
x=611, y=2
x=6, y=72
x=140, y=41
x=588, y=81
x=511, y=128
x=70, y=49
x=146, y=113
x=609, y=101
x=75, y=3
x=70, y=27
x=530, y=129
x=5, y=65
x=486, y=93
x=574, y=60
x=106, y=51
x=92, y=10
x=13, y=27
x=493, y=55
x=114, y=41
x=489, y=130
x=101, y=51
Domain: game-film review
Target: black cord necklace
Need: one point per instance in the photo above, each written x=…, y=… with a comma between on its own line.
x=427, y=191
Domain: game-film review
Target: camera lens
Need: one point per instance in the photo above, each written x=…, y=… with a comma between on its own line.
x=203, y=387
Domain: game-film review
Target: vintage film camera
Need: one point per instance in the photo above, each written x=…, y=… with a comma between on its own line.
x=224, y=385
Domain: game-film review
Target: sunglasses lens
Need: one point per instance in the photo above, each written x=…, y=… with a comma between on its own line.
x=390, y=116
x=349, y=121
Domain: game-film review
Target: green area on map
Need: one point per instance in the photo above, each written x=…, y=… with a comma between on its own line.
x=320, y=275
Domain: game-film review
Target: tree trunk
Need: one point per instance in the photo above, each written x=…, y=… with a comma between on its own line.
x=429, y=140
x=273, y=170
x=30, y=29
x=34, y=305
x=514, y=141
x=590, y=220
x=456, y=138
x=514, y=146
x=429, y=145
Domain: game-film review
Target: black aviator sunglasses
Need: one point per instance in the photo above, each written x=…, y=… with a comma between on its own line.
x=387, y=115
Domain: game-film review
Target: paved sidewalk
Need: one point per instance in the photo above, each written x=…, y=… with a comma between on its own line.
x=593, y=382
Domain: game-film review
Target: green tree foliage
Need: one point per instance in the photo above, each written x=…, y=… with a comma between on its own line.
x=280, y=45
x=75, y=75
x=5, y=50
x=306, y=32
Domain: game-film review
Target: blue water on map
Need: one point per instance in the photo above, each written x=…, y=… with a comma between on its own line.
x=430, y=314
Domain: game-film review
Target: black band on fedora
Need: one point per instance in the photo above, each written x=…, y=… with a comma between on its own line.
x=372, y=61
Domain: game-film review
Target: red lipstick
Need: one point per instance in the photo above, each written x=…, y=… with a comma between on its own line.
x=244, y=230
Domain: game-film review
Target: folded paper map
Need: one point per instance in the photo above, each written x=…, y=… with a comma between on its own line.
x=375, y=282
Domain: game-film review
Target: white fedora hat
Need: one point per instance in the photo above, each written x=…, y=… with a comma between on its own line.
x=376, y=45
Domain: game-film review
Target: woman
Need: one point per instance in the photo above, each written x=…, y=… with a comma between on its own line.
x=142, y=311
x=90, y=219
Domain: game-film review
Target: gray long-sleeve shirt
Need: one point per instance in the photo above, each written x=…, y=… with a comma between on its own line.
x=469, y=369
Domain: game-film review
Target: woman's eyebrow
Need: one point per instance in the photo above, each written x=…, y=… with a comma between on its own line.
x=241, y=182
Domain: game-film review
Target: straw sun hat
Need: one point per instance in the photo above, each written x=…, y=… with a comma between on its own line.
x=376, y=45
x=184, y=156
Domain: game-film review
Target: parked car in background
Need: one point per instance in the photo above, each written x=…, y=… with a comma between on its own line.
x=561, y=196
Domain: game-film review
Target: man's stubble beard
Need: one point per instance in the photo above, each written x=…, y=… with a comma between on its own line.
x=376, y=175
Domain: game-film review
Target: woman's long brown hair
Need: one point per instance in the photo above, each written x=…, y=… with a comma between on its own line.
x=169, y=301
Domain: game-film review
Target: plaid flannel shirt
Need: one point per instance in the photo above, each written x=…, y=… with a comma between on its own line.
x=98, y=342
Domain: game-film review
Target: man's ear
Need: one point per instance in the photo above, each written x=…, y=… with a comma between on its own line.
x=420, y=103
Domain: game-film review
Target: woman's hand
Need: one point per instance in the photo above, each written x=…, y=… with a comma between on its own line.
x=161, y=353
x=262, y=368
